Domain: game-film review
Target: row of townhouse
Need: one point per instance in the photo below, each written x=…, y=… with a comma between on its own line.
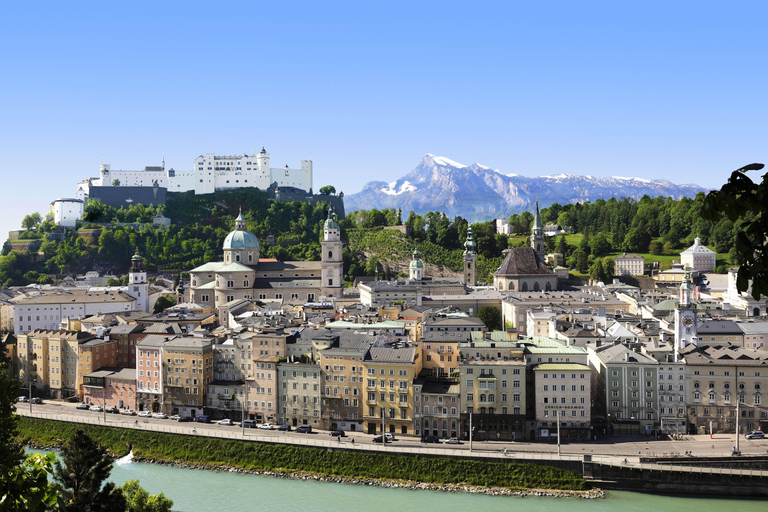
x=700, y=391
x=492, y=384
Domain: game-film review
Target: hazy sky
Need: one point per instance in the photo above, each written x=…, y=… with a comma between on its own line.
x=673, y=90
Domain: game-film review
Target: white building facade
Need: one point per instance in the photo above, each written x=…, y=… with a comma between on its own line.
x=213, y=172
x=629, y=265
x=67, y=211
x=698, y=257
x=209, y=173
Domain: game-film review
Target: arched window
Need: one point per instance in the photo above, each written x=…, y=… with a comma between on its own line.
x=524, y=287
x=536, y=286
x=547, y=286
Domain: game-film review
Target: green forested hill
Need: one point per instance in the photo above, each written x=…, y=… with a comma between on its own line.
x=659, y=227
x=108, y=237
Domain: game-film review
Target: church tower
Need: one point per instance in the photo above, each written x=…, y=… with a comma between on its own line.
x=537, y=234
x=416, y=267
x=332, y=264
x=137, y=282
x=470, y=259
x=685, y=318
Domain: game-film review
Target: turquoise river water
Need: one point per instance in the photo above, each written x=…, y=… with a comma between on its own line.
x=197, y=490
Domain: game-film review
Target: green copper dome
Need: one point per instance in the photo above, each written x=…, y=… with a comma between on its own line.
x=416, y=261
x=470, y=246
x=330, y=222
x=241, y=239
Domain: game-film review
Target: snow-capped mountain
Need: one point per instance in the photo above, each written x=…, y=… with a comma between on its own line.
x=477, y=192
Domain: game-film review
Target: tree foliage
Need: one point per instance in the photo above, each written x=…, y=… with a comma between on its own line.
x=744, y=202
x=163, y=302
x=491, y=317
x=26, y=487
x=11, y=451
x=139, y=500
x=327, y=190
x=82, y=472
x=32, y=221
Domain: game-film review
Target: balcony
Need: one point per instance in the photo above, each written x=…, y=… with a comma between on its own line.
x=371, y=402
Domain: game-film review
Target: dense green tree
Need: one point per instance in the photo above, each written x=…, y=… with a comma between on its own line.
x=32, y=221
x=327, y=190
x=115, y=182
x=655, y=247
x=139, y=500
x=11, y=451
x=562, y=246
x=163, y=302
x=599, y=245
x=27, y=488
x=491, y=317
x=82, y=472
x=637, y=240
x=741, y=198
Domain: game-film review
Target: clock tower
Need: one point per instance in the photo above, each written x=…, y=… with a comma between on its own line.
x=685, y=318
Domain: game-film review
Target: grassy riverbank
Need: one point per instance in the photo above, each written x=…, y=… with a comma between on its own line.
x=251, y=456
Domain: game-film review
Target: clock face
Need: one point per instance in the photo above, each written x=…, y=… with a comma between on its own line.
x=687, y=321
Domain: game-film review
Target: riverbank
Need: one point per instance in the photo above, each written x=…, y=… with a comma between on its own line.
x=298, y=462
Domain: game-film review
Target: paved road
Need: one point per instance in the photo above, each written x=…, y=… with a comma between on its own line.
x=613, y=449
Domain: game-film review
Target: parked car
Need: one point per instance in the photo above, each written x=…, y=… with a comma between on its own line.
x=265, y=426
x=430, y=439
x=36, y=400
x=226, y=421
x=304, y=429
x=285, y=427
x=202, y=418
x=22, y=399
x=83, y=407
x=453, y=440
x=338, y=433
x=145, y=414
x=755, y=434
x=96, y=408
x=175, y=417
x=113, y=410
x=184, y=419
x=390, y=437
x=249, y=424
x=160, y=416
x=128, y=412
x=380, y=439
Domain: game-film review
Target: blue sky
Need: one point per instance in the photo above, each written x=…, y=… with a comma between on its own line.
x=673, y=90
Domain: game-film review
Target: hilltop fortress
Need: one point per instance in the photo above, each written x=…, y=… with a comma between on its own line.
x=210, y=173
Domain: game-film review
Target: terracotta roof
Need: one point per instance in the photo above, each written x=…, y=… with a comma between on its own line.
x=523, y=261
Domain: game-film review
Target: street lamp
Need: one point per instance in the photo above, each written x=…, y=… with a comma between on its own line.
x=32, y=380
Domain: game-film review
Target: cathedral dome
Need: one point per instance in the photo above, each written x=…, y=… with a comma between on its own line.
x=240, y=239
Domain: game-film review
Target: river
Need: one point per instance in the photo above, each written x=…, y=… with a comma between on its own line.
x=196, y=490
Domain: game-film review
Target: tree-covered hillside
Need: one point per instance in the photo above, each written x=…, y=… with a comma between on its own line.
x=658, y=227
x=108, y=237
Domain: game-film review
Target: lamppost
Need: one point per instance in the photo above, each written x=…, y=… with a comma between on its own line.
x=32, y=380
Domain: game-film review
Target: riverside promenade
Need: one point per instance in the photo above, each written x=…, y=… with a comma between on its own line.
x=620, y=462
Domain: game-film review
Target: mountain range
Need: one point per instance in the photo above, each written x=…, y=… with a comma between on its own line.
x=479, y=193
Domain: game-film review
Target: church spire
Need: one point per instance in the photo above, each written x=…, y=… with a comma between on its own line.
x=537, y=234
x=537, y=218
